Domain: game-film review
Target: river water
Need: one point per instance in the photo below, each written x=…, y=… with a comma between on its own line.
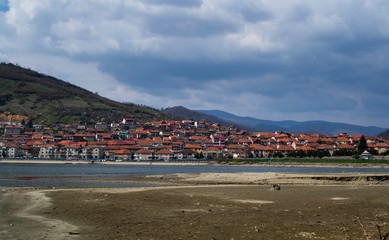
x=77, y=175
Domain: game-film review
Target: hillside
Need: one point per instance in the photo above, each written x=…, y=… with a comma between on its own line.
x=384, y=135
x=40, y=97
x=198, y=116
x=294, y=126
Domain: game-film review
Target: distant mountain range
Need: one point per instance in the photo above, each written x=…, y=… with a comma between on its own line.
x=296, y=127
x=44, y=98
x=253, y=124
x=186, y=113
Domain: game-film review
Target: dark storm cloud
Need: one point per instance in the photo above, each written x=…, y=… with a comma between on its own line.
x=148, y=71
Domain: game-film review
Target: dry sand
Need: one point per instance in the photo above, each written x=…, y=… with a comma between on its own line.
x=205, y=206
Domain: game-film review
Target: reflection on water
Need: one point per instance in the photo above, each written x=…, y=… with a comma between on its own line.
x=77, y=175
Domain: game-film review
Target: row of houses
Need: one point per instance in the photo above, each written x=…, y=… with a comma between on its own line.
x=166, y=140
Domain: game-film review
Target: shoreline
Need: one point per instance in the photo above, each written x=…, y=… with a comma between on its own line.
x=23, y=216
x=204, y=206
x=177, y=163
x=262, y=179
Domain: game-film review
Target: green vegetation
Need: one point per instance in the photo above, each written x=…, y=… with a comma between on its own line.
x=362, y=146
x=7, y=86
x=44, y=98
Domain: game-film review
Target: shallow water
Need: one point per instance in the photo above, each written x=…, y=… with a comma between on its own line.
x=77, y=175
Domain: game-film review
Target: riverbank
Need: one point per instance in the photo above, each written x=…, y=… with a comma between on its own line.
x=213, y=163
x=205, y=206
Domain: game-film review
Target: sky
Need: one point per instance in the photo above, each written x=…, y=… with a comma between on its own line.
x=269, y=59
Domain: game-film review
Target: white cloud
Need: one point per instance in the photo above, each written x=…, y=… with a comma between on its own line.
x=259, y=58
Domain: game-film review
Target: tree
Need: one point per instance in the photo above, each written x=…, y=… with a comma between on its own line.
x=362, y=146
x=29, y=124
x=199, y=155
x=301, y=153
x=278, y=154
x=47, y=124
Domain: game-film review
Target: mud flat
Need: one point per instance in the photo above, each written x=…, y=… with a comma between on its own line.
x=24, y=216
x=211, y=163
x=205, y=206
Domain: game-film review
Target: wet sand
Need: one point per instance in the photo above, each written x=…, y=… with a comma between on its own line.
x=205, y=206
x=212, y=163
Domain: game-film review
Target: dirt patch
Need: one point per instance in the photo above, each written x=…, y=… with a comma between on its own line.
x=24, y=217
x=227, y=209
x=226, y=212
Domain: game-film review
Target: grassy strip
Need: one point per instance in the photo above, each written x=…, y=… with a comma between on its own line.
x=308, y=160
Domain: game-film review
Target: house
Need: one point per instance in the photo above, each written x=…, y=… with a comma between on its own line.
x=212, y=153
x=346, y=147
x=328, y=141
x=49, y=151
x=229, y=150
x=97, y=151
x=143, y=155
x=164, y=154
x=122, y=154
x=90, y=137
x=86, y=152
x=306, y=148
x=132, y=148
x=285, y=149
x=257, y=150
x=199, y=124
x=12, y=130
x=284, y=141
x=72, y=151
x=268, y=151
x=342, y=140
x=146, y=143
x=109, y=151
x=12, y=150
x=188, y=154
x=382, y=147
x=196, y=148
x=128, y=121
x=178, y=155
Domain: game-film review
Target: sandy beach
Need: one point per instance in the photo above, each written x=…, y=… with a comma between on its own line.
x=205, y=206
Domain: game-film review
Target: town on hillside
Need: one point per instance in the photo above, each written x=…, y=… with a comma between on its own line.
x=129, y=140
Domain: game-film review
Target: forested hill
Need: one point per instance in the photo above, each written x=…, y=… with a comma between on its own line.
x=41, y=97
x=384, y=135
